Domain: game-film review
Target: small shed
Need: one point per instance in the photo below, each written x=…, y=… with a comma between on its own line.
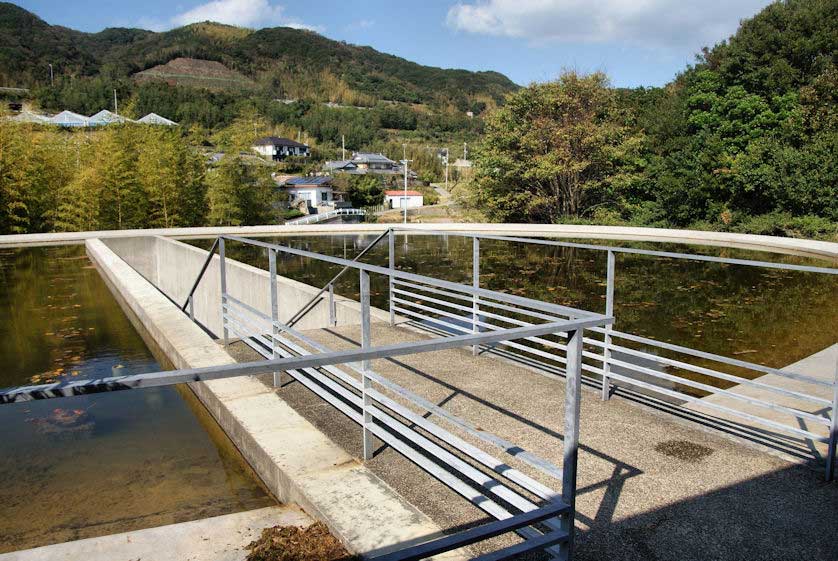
x=401, y=198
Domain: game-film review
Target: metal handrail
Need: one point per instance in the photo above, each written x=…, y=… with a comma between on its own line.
x=200, y=274
x=306, y=307
x=651, y=379
x=404, y=275
x=70, y=388
x=319, y=217
x=618, y=249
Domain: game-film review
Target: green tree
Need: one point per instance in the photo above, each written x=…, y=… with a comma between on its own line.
x=364, y=190
x=124, y=201
x=240, y=194
x=553, y=150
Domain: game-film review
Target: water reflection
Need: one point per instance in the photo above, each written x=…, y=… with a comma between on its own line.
x=104, y=463
x=768, y=316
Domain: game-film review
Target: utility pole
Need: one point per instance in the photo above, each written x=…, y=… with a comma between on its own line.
x=115, y=104
x=51, y=77
x=342, y=147
x=446, y=168
x=404, y=200
x=465, y=150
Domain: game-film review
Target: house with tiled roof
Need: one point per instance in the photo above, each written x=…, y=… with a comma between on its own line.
x=277, y=148
x=315, y=191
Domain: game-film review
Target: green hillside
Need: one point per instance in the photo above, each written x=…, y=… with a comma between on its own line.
x=283, y=61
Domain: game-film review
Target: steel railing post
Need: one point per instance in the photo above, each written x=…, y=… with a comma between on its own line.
x=333, y=314
x=609, y=311
x=475, y=282
x=274, y=294
x=223, y=269
x=366, y=364
x=572, y=396
x=833, y=429
x=391, y=263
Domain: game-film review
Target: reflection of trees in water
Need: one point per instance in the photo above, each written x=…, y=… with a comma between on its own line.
x=55, y=309
x=725, y=309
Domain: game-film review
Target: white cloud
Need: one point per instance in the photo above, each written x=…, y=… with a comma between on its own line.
x=651, y=23
x=242, y=13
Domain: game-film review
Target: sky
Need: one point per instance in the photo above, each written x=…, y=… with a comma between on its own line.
x=635, y=42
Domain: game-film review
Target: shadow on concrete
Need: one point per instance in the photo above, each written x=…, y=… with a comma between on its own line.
x=788, y=514
x=613, y=485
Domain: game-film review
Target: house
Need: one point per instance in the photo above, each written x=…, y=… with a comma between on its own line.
x=315, y=191
x=363, y=163
x=397, y=198
x=374, y=163
x=340, y=166
x=277, y=148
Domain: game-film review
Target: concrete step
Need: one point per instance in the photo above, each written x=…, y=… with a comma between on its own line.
x=221, y=538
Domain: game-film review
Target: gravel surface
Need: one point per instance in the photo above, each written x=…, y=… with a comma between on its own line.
x=650, y=488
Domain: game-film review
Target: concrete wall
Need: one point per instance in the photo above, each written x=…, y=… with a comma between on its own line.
x=173, y=266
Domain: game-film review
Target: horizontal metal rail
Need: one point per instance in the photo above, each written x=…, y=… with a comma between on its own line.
x=717, y=358
x=375, y=269
x=394, y=432
x=474, y=535
x=629, y=250
x=792, y=412
x=429, y=307
x=308, y=306
x=322, y=216
x=168, y=378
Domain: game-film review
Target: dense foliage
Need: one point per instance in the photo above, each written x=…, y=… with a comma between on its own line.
x=129, y=176
x=747, y=139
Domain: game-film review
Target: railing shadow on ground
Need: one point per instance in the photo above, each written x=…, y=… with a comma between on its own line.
x=613, y=485
x=783, y=514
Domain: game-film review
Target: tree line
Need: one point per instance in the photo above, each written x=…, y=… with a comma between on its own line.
x=744, y=140
x=126, y=176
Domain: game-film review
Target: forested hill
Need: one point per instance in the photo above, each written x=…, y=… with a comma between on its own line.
x=744, y=140
x=281, y=60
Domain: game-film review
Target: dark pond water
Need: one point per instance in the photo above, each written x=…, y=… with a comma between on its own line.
x=93, y=465
x=768, y=316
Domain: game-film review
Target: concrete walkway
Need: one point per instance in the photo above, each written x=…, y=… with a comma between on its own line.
x=222, y=538
x=650, y=487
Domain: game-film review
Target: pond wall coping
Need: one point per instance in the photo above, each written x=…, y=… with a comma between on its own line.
x=795, y=246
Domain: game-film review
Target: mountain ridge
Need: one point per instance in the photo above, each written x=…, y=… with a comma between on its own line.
x=268, y=56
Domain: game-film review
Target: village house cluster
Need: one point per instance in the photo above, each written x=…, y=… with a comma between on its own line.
x=317, y=193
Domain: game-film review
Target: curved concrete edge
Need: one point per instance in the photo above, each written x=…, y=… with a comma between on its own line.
x=812, y=248
x=297, y=462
